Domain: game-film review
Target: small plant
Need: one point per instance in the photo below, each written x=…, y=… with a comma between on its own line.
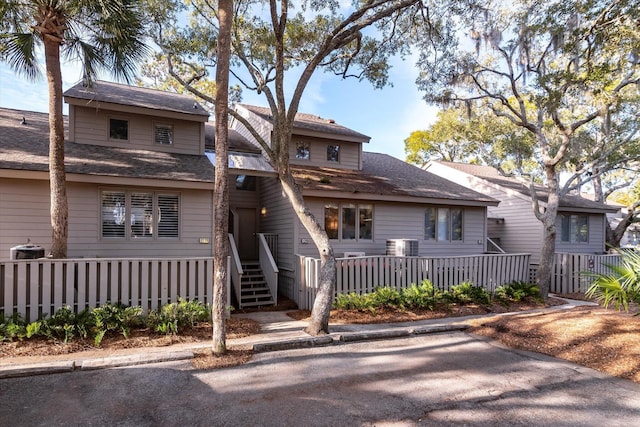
x=516, y=292
x=13, y=327
x=466, y=292
x=354, y=301
x=621, y=285
x=178, y=316
x=115, y=318
x=421, y=296
x=387, y=297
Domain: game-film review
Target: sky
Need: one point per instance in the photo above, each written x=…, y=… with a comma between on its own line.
x=386, y=115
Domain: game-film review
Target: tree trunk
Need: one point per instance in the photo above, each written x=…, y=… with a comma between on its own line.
x=319, y=324
x=221, y=186
x=547, y=254
x=57, y=178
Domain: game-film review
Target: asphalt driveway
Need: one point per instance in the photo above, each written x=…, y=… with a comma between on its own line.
x=451, y=378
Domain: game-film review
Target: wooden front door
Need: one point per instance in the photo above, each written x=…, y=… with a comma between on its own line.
x=247, y=229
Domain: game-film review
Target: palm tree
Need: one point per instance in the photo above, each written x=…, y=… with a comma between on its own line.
x=106, y=34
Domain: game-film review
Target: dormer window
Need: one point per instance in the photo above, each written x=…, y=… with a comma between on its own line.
x=333, y=153
x=119, y=129
x=302, y=150
x=164, y=134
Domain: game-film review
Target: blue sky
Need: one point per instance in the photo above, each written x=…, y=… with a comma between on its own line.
x=388, y=116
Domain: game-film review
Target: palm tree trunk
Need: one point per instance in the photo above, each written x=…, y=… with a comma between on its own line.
x=57, y=177
x=221, y=190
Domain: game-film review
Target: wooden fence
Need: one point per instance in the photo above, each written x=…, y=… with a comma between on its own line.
x=364, y=274
x=39, y=287
x=568, y=272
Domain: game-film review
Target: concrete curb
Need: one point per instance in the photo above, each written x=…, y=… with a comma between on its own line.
x=134, y=359
x=293, y=344
x=12, y=371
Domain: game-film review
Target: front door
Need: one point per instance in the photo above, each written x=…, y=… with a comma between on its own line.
x=247, y=228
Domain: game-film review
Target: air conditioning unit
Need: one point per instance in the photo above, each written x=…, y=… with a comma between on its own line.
x=402, y=247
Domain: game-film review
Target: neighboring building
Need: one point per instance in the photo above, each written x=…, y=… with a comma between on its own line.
x=512, y=224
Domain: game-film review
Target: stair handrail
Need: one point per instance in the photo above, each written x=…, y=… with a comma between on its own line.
x=495, y=245
x=236, y=266
x=268, y=265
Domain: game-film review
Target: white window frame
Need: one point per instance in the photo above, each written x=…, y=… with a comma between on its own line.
x=129, y=219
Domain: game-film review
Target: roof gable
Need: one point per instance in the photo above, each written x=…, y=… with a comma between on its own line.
x=384, y=175
x=311, y=123
x=512, y=184
x=139, y=97
x=26, y=147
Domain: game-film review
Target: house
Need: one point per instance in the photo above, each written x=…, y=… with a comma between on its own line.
x=140, y=175
x=512, y=224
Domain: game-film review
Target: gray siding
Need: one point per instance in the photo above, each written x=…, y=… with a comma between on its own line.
x=521, y=231
x=596, y=239
x=401, y=221
x=279, y=219
x=91, y=126
x=349, y=157
x=25, y=214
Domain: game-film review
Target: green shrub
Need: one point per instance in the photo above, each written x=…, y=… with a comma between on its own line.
x=354, y=301
x=466, y=292
x=386, y=296
x=114, y=318
x=176, y=317
x=516, y=292
x=421, y=296
x=621, y=285
x=11, y=328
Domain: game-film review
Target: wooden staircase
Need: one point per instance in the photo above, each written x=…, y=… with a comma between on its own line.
x=254, y=290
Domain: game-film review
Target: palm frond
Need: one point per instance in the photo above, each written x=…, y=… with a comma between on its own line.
x=19, y=51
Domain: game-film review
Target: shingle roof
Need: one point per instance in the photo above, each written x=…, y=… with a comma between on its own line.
x=493, y=176
x=387, y=176
x=136, y=96
x=311, y=122
x=237, y=142
x=26, y=147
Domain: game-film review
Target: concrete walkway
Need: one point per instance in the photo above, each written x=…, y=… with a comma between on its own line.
x=278, y=332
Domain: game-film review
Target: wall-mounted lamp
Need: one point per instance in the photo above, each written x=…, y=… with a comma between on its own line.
x=263, y=211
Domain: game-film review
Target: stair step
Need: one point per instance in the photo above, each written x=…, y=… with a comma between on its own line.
x=257, y=303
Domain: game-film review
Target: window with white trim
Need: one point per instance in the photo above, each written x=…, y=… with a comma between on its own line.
x=574, y=228
x=443, y=224
x=135, y=215
x=348, y=221
x=163, y=134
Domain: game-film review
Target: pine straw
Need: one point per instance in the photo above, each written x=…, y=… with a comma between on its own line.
x=604, y=340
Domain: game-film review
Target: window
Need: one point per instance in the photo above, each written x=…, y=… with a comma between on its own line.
x=443, y=224
x=245, y=182
x=333, y=153
x=119, y=129
x=164, y=134
x=575, y=228
x=139, y=215
x=302, y=150
x=348, y=221
x=331, y=221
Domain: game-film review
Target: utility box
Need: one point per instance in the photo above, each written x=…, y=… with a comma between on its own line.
x=27, y=252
